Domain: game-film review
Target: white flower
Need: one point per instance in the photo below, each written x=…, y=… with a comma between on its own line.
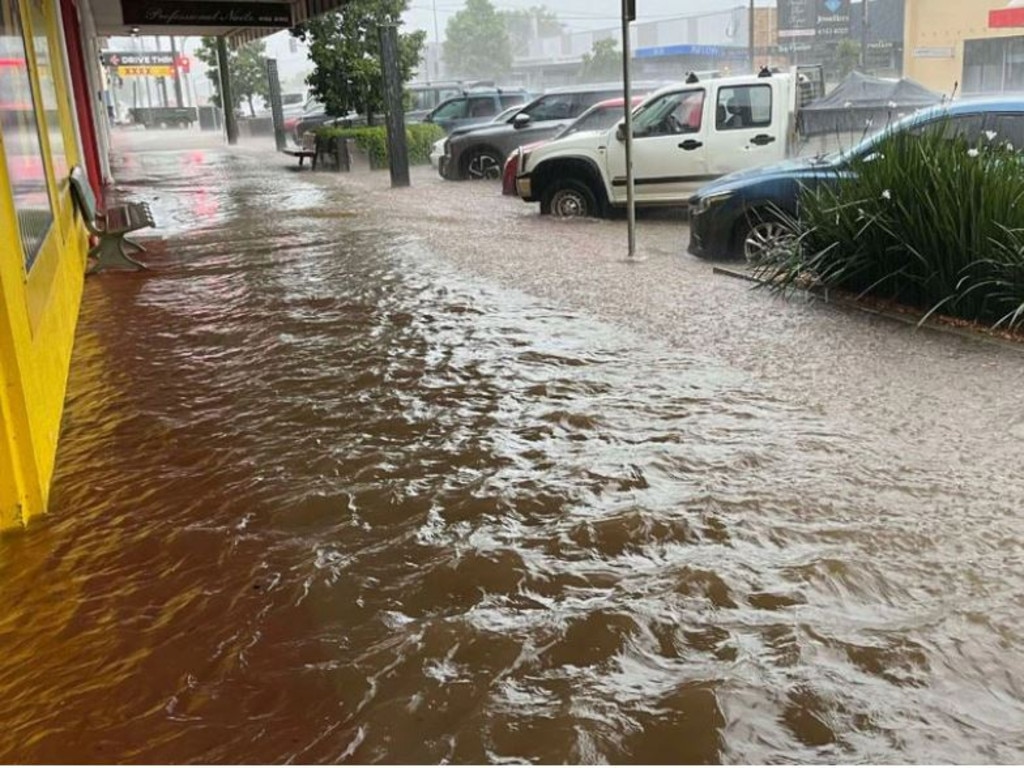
x=1009, y=146
x=886, y=194
x=990, y=135
x=973, y=152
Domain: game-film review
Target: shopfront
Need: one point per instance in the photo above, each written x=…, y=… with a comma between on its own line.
x=42, y=249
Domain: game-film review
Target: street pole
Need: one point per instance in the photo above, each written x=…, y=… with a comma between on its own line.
x=178, y=100
x=864, y=35
x=753, y=50
x=227, y=103
x=628, y=14
x=274, y=86
x=398, y=151
x=437, y=46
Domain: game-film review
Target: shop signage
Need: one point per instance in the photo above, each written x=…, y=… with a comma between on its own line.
x=145, y=71
x=824, y=20
x=1010, y=16
x=137, y=59
x=797, y=18
x=833, y=20
x=935, y=52
x=206, y=14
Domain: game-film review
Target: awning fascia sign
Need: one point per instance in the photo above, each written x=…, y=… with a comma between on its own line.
x=189, y=13
x=1010, y=16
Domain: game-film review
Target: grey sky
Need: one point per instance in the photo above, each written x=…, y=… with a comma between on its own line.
x=576, y=14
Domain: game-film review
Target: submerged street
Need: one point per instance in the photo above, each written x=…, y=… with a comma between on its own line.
x=356, y=474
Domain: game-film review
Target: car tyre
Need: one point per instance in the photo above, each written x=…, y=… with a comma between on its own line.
x=761, y=234
x=569, y=199
x=483, y=164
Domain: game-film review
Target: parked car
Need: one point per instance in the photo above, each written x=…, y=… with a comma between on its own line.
x=437, y=149
x=599, y=117
x=474, y=107
x=480, y=152
x=314, y=114
x=684, y=135
x=745, y=213
x=422, y=98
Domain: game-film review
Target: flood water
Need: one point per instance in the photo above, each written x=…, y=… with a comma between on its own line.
x=363, y=476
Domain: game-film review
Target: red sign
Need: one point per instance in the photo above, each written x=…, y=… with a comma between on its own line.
x=1006, y=17
x=182, y=62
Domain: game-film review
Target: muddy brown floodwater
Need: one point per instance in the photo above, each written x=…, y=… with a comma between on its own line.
x=417, y=476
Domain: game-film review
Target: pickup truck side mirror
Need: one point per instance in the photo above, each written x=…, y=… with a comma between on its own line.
x=620, y=132
x=520, y=121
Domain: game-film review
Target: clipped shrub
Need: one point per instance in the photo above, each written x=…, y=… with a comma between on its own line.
x=927, y=221
x=420, y=137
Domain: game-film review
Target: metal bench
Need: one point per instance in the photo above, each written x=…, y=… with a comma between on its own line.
x=111, y=226
x=308, y=149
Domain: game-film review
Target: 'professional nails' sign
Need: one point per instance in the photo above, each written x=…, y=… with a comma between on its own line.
x=206, y=14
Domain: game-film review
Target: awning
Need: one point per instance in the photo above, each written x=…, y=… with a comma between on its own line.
x=1010, y=16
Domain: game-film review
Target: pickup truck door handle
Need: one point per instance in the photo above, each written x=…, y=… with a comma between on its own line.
x=690, y=144
x=762, y=139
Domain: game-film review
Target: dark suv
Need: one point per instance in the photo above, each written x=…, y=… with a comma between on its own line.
x=480, y=152
x=474, y=107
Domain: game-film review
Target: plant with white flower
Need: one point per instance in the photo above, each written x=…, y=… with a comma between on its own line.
x=886, y=194
x=973, y=152
x=991, y=135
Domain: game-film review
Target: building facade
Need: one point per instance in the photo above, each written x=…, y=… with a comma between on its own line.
x=949, y=44
x=43, y=243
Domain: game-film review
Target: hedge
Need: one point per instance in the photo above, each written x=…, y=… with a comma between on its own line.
x=373, y=140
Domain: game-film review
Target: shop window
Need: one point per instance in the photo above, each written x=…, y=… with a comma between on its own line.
x=47, y=68
x=23, y=148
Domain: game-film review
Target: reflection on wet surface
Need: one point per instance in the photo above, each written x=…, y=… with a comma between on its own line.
x=341, y=483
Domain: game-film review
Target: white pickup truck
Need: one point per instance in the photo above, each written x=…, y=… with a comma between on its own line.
x=684, y=135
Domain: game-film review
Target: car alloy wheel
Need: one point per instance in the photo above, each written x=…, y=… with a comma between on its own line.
x=483, y=165
x=766, y=238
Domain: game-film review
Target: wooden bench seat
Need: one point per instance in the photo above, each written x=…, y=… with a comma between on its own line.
x=308, y=149
x=111, y=226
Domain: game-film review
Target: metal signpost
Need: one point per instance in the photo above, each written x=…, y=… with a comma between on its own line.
x=628, y=15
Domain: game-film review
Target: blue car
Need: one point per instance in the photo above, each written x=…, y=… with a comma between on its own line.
x=745, y=214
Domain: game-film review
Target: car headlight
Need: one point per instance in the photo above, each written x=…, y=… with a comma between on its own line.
x=709, y=201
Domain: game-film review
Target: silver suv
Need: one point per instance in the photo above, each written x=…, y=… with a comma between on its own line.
x=479, y=152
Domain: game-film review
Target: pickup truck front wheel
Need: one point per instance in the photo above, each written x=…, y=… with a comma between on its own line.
x=569, y=199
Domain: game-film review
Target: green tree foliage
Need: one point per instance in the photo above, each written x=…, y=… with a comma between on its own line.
x=477, y=42
x=344, y=47
x=847, y=56
x=604, y=62
x=527, y=24
x=246, y=67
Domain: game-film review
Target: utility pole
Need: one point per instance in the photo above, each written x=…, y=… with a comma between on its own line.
x=227, y=102
x=437, y=46
x=628, y=15
x=398, y=151
x=863, y=35
x=178, y=102
x=753, y=50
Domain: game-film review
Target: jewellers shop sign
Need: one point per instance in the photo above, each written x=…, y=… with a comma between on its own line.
x=817, y=20
x=206, y=14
